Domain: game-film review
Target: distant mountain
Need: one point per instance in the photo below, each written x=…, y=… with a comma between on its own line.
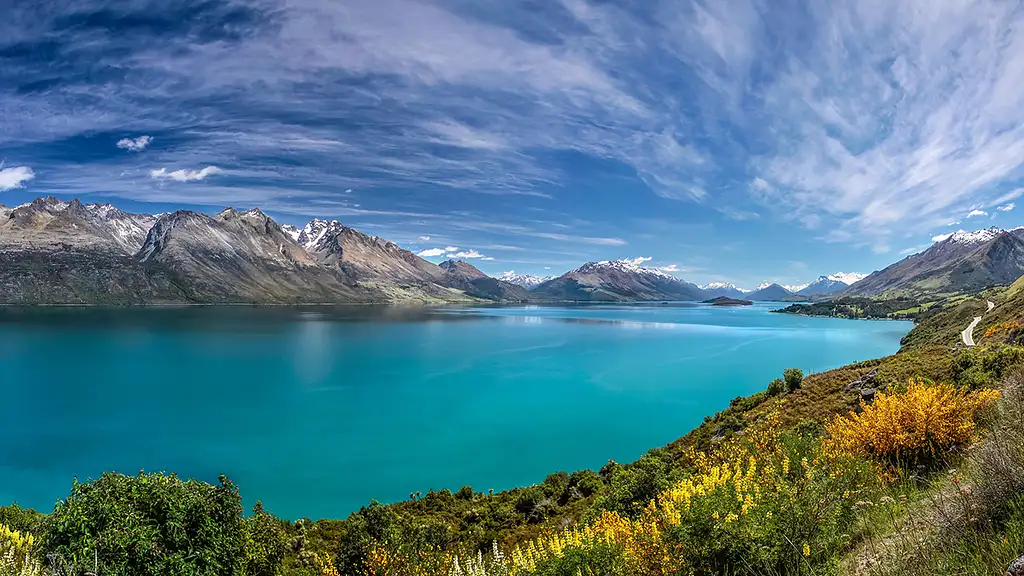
x=615, y=281
x=962, y=261
x=715, y=289
x=240, y=257
x=822, y=286
x=525, y=280
x=58, y=252
x=769, y=291
x=464, y=276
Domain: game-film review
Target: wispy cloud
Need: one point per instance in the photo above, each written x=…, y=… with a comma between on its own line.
x=134, y=144
x=432, y=252
x=14, y=177
x=184, y=175
x=639, y=260
x=670, y=268
x=976, y=212
x=1006, y=207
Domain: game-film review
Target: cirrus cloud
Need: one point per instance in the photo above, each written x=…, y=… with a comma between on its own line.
x=184, y=175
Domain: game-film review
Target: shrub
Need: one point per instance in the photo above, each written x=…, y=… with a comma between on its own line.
x=914, y=426
x=265, y=544
x=149, y=525
x=25, y=520
x=777, y=387
x=794, y=377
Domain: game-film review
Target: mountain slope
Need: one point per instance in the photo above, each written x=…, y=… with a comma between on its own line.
x=240, y=257
x=57, y=252
x=616, y=280
x=773, y=292
x=464, y=276
x=964, y=261
x=824, y=285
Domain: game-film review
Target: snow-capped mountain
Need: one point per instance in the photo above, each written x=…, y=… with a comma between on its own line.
x=958, y=261
x=795, y=287
x=769, y=291
x=611, y=280
x=715, y=289
x=527, y=281
x=312, y=233
x=847, y=277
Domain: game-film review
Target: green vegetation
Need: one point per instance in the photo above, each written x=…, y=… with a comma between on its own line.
x=809, y=476
x=856, y=307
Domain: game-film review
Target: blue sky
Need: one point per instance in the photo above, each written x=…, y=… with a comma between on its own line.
x=724, y=140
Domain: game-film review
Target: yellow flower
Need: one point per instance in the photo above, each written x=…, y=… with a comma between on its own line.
x=807, y=549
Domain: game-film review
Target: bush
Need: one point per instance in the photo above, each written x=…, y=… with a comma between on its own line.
x=20, y=519
x=265, y=544
x=149, y=525
x=777, y=387
x=914, y=426
x=794, y=377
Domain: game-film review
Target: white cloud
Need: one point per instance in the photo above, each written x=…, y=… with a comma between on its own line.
x=639, y=260
x=451, y=248
x=348, y=191
x=468, y=254
x=1006, y=207
x=15, y=177
x=976, y=212
x=134, y=144
x=431, y=252
x=670, y=268
x=184, y=175
x=424, y=238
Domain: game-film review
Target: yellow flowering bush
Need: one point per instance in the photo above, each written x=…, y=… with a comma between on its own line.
x=918, y=424
x=764, y=499
x=17, y=554
x=1002, y=328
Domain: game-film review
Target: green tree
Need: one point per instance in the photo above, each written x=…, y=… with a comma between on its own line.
x=776, y=387
x=793, y=377
x=265, y=543
x=149, y=525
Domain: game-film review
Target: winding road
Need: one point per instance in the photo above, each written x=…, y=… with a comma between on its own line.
x=968, y=334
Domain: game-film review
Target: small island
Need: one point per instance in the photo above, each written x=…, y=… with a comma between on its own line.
x=726, y=301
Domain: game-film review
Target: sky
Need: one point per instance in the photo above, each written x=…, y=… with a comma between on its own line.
x=727, y=140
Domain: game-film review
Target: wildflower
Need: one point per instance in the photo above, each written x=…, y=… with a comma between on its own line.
x=807, y=549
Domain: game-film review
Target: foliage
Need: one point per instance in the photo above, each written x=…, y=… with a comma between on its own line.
x=914, y=426
x=858, y=307
x=982, y=367
x=265, y=544
x=18, y=553
x=25, y=520
x=793, y=377
x=150, y=524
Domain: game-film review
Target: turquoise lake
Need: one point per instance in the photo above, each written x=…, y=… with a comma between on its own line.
x=315, y=411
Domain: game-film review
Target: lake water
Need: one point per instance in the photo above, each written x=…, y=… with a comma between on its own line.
x=315, y=411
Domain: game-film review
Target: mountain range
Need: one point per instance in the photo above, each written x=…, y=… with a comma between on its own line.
x=58, y=252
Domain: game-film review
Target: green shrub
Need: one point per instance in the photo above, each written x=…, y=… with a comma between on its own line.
x=149, y=525
x=265, y=543
x=776, y=387
x=20, y=519
x=794, y=377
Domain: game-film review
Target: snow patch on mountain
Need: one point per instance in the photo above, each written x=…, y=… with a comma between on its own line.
x=722, y=286
x=969, y=238
x=527, y=281
x=847, y=277
x=795, y=287
x=627, y=266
